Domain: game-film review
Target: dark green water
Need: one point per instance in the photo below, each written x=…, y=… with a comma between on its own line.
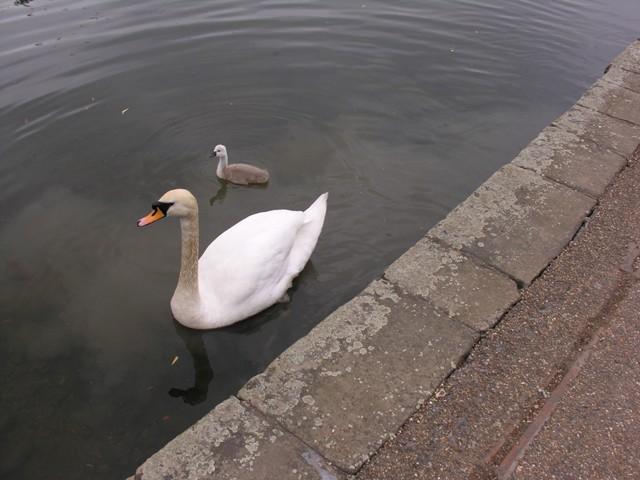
x=398, y=109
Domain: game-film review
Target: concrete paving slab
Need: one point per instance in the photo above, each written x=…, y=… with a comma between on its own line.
x=629, y=59
x=232, y=442
x=516, y=221
x=618, y=135
x=467, y=291
x=571, y=160
x=614, y=100
x=348, y=385
x=623, y=78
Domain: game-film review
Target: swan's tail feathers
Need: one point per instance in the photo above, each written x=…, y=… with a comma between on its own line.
x=317, y=210
x=308, y=234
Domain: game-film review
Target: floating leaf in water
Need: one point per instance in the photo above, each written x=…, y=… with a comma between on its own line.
x=175, y=359
x=125, y=110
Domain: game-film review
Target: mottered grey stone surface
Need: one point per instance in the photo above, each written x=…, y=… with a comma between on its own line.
x=572, y=160
x=623, y=78
x=465, y=289
x=618, y=135
x=516, y=221
x=629, y=58
x=356, y=377
x=614, y=100
x=231, y=442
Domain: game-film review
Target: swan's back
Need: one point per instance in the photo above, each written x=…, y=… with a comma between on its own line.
x=250, y=256
x=251, y=265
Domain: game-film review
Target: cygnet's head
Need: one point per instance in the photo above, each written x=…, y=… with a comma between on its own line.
x=219, y=151
x=174, y=203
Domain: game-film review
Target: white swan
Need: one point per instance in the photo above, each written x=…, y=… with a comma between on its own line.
x=246, y=269
x=238, y=173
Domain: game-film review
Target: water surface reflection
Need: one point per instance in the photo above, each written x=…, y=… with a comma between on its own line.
x=203, y=374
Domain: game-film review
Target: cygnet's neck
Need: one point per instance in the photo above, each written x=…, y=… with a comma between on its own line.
x=222, y=164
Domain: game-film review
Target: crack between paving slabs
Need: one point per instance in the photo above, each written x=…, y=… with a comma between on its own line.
x=478, y=261
x=428, y=301
x=585, y=220
x=627, y=69
x=521, y=284
x=629, y=89
x=582, y=225
x=607, y=114
x=610, y=148
x=276, y=423
x=559, y=182
x=485, y=262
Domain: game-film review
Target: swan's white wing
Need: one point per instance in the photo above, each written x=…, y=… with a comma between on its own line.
x=246, y=264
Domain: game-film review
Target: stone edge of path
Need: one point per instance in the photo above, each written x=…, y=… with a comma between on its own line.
x=326, y=404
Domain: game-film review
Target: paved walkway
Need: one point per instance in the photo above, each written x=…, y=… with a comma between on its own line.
x=554, y=391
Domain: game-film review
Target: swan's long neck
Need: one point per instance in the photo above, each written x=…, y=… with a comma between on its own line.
x=187, y=288
x=187, y=304
x=222, y=164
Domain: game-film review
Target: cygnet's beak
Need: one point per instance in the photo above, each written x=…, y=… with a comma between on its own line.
x=153, y=216
x=212, y=154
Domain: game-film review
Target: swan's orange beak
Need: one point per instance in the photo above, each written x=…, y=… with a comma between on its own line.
x=153, y=216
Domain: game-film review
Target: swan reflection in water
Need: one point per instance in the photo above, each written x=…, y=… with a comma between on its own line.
x=224, y=185
x=194, y=341
x=220, y=194
x=203, y=374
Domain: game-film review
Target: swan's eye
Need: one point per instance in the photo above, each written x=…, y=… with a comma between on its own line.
x=162, y=206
